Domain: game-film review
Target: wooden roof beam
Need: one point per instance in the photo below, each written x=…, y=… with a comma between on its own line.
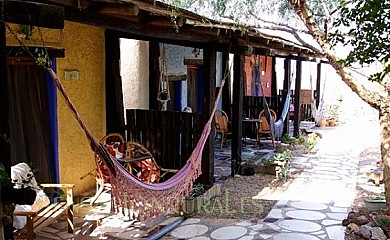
x=36, y=14
x=124, y=10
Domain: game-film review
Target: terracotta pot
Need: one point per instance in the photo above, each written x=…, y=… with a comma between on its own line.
x=332, y=123
x=323, y=122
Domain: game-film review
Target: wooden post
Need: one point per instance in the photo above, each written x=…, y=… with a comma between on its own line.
x=318, y=84
x=209, y=82
x=238, y=96
x=154, y=74
x=5, y=154
x=274, y=82
x=287, y=76
x=297, y=101
x=115, y=121
x=226, y=102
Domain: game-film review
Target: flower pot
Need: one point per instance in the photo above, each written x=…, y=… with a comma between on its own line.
x=375, y=205
x=269, y=169
x=331, y=123
x=322, y=122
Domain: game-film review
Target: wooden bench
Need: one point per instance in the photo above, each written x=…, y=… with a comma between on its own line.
x=36, y=221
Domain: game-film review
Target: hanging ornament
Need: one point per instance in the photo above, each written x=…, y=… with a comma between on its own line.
x=163, y=88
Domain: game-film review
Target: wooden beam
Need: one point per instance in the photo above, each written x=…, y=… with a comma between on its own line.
x=209, y=83
x=193, y=61
x=122, y=10
x=172, y=77
x=302, y=58
x=238, y=96
x=19, y=52
x=35, y=14
x=318, y=85
x=297, y=98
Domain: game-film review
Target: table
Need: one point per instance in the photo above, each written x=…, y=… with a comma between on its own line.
x=246, y=122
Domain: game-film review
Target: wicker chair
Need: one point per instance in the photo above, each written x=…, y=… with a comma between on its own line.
x=221, y=125
x=264, y=128
x=147, y=169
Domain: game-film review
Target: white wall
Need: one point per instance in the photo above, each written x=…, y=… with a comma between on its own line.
x=134, y=70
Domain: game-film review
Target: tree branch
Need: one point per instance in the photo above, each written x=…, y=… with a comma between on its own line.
x=281, y=27
x=373, y=98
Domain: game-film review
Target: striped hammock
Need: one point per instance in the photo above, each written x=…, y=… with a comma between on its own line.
x=137, y=199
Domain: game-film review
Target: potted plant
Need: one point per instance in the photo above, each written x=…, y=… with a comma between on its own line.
x=376, y=203
x=277, y=165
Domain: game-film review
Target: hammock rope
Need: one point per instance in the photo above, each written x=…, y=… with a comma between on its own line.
x=142, y=200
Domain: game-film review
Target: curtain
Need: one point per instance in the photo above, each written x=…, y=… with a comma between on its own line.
x=29, y=120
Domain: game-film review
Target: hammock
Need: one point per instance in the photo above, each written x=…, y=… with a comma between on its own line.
x=276, y=127
x=142, y=200
x=317, y=112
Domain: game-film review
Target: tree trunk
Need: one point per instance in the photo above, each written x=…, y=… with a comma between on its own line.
x=384, y=119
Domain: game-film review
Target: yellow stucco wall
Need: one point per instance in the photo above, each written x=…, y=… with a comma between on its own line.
x=84, y=51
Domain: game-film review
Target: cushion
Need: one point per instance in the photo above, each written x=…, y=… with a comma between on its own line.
x=21, y=173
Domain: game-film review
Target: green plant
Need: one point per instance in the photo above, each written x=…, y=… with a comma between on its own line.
x=287, y=139
x=377, y=198
x=382, y=221
x=267, y=161
x=283, y=172
x=27, y=30
x=5, y=180
x=197, y=190
x=283, y=157
x=311, y=141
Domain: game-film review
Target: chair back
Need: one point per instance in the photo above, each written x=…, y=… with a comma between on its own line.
x=115, y=145
x=221, y=121
x=264, y=127
x=146, y=170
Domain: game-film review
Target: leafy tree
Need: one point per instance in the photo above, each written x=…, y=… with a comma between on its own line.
x=361, y=25
x=367, y=26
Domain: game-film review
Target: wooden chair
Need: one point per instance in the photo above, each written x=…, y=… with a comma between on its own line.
x=221, y=125
x=38, y=220
x=147, y=169
x=264, y=128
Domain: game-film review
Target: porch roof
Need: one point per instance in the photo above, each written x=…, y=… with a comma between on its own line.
x=156, y=21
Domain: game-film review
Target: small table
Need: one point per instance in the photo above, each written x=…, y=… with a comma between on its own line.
x=246, y=122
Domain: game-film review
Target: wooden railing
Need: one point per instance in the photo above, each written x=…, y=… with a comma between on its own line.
x=170, y=136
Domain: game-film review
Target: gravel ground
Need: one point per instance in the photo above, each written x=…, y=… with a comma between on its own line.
x=236, y=200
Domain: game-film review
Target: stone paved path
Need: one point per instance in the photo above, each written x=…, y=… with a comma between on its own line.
x=312, y=206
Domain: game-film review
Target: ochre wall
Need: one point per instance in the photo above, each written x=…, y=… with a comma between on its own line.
x=84, y=51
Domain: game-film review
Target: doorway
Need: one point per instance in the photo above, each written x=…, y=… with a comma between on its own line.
x=33, y=127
